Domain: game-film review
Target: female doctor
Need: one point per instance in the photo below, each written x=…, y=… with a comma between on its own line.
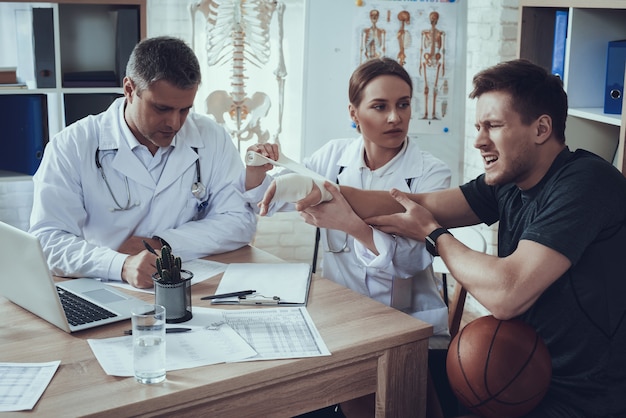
x=390, y=269
x=145, y=169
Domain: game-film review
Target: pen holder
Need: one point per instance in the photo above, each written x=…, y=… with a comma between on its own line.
x=175, y=296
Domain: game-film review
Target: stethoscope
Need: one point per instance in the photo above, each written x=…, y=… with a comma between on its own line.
x=344, y=248
x=198, y=190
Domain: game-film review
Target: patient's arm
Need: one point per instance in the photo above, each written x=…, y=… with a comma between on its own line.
x=449, y=206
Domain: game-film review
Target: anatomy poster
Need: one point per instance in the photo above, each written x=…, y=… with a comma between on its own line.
x=421, y=36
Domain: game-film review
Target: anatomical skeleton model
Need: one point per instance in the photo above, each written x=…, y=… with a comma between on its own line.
x=373, y=39
x=238, y=32
x=432, y=61
x=404, y=37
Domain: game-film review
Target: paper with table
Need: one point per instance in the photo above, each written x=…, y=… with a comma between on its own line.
x=221, y=335
x=273, y=283
x=22, y=384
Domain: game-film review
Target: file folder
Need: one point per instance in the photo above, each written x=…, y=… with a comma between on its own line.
x=43, y=40
x=560, y=37
x=24, y=118
x=126, y=37
x=615, y=64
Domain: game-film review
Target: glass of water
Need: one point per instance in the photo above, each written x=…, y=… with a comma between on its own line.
x=148, y=324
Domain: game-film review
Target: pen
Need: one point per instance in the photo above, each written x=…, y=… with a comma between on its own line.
x=167, y=330
x=229, y=295
x=149, y=247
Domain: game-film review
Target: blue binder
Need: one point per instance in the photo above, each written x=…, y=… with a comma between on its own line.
x=24, y=120
x=560, y=37
x=614, y=92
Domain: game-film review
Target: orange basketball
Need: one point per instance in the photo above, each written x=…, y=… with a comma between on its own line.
x=498, y=369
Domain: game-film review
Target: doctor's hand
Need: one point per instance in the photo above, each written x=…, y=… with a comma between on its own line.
x=255, y=174
x=333, y=214
x=135, y=245
x=338, y=214
x=138, y=269
x=416, y=222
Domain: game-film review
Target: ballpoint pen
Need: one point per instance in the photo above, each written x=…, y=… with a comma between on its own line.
x=149, y=247
x=167, y=330
x=229, y=295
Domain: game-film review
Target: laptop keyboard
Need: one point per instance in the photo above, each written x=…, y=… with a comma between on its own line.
x=80, y=311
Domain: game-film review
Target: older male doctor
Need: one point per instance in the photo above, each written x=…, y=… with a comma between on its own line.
x=147, y=169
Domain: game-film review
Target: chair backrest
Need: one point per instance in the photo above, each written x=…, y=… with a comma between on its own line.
x=474, y=239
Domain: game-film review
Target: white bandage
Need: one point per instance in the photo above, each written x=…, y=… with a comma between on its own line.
x=293, y=187
x=256, y=159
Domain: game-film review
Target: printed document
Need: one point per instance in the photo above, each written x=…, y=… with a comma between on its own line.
x=224, y=335
x=22, y=384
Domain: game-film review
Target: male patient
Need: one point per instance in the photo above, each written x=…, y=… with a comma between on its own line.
x=561, y=235
x=147, y=168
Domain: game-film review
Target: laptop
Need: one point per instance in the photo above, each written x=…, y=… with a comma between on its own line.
x=26, y=280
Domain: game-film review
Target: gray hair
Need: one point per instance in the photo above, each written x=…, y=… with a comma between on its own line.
x=163, y=58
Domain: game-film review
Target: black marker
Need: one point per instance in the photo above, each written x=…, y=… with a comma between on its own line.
x=167, y=330
x=229, y=295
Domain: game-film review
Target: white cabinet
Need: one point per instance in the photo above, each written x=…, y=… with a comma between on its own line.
x=591, y=25
x=91, y=42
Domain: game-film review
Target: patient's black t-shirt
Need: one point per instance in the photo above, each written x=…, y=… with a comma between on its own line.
x=579, y=210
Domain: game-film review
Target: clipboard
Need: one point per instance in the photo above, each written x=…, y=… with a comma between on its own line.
x=274, y=284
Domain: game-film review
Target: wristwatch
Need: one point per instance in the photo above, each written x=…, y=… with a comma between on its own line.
x=431, y=240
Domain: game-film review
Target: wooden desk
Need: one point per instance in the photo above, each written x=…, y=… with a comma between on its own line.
x=374, y=349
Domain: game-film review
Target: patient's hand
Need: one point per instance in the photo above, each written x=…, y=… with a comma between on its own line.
x=294, y=188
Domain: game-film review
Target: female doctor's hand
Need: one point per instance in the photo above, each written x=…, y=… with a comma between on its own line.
x=338, y=214
x=256, y=174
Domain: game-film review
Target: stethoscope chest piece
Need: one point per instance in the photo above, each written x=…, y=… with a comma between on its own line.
x=198, y=190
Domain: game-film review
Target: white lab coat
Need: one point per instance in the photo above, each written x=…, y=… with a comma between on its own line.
x=401, y=275
x=72, y=212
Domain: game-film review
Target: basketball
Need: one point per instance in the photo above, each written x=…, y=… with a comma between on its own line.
x=498, y=369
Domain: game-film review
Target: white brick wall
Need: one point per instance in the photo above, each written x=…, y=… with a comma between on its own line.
x=16, y=199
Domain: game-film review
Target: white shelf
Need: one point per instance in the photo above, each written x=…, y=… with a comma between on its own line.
x=591, y=26
x=596, y=114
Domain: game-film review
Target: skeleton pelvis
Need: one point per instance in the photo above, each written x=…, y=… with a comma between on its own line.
x=248, y=110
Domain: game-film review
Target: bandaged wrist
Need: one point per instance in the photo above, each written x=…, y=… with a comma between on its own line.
x=293, y=187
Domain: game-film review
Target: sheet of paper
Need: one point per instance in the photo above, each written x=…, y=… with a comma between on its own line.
x=222, y=335
x=199, y=347
x=22, y=384
x=274, y=333
x=201, y=269
x=287, y=281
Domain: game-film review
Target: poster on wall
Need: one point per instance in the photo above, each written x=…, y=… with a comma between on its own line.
x=421, y=36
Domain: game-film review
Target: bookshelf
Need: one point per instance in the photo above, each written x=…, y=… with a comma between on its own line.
x=86, y=45
x=591, y=25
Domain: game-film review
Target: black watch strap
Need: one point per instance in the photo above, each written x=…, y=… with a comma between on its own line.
x=431, y=240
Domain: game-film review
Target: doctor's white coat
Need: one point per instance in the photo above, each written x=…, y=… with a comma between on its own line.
x=73, y=213
x=401, y=274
